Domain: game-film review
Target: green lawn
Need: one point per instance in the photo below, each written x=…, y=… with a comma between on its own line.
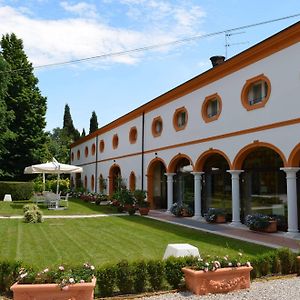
x=106, y=239
x=76, y=207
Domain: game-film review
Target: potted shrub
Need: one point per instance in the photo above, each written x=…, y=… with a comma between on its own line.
x=260, y=222
x=143, y=204
x=61, y=283
x=126, y=199
x=223, y=275
x=215, y=215
x=181, y=210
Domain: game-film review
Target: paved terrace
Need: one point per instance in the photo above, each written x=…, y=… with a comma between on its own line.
x=274, y=240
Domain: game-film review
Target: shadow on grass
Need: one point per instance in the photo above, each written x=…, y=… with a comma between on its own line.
x=199, y=236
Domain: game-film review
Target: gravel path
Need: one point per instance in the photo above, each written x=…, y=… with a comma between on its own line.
x=277, y=289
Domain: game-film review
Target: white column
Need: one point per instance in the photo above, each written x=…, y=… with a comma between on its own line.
x=197, y=195
x=170, y=190
x=235, y=183
x=291, y=186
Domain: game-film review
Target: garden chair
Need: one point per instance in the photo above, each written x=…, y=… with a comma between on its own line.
x=64, y=201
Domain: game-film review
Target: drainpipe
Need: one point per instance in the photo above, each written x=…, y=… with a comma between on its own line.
x=143, y=147
x=96, y=166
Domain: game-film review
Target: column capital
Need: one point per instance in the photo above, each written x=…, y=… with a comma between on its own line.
x=233, y=172
x=170, y=174
x=290, y=170
x=197, y=173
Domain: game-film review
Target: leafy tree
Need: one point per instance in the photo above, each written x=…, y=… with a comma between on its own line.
x=5, y=116
x=68, y=125
x=83, y=133
x=93, y=122
x=24, y=99
x=59, y=145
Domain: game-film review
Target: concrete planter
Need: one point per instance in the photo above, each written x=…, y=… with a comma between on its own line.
x=222, y=280
x=77, y=291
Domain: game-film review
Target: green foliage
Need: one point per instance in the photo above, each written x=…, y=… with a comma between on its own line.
x=5, y=115
x=93, y=122
x=8, y=274
x=59, y=145
x=124, y=277
x=139, y=276
x=258, y=221
x=32, y=214
x=23, y=99
x=68, y=126
x=18, y=190
x=106, y=280
x=155, y=269
x=288, y=260
x=213, y=213
x=173, y=271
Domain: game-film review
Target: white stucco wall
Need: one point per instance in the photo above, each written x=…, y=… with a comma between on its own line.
x=283, y=71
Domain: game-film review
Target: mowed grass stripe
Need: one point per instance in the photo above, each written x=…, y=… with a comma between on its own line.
x=108, y=240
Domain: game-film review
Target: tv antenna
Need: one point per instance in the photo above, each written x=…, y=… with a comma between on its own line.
x=229, y=44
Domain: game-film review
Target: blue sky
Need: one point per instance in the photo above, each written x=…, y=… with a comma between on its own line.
x=59, y=31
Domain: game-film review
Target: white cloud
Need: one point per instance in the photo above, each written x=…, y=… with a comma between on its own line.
x=81, y=9
x=52, y=41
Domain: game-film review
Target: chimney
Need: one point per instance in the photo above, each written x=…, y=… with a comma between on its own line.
x=217, y=60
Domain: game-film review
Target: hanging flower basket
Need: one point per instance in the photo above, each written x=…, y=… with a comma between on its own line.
x=222, y=280
x=46, y=291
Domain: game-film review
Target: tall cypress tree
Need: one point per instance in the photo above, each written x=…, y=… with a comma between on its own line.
x=93, y=122
x=24, y=99
x=68, y=125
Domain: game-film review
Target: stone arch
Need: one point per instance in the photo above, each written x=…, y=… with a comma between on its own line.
x=294, y=158
x=175, y=159
x=205, y=155
x=114, y=171
x=150, y=178
x=242, y=154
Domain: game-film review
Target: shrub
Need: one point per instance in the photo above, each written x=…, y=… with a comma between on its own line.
x=181, y=209
x=257, y=221
x=287, y=260
x=106, y=280
x=155, y=269
x=173, y=271
x=213, y=213
x=139, y=276
x=124, y=277
x=8, y=274
x=32, y=214
x=18, y=190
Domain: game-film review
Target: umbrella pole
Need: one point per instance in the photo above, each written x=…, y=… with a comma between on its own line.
x=44, y=182
x=57, y=186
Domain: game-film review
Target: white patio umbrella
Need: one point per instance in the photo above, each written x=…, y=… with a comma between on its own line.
x=53, y=167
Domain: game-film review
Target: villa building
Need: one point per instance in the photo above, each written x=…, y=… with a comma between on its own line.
x=229, y=137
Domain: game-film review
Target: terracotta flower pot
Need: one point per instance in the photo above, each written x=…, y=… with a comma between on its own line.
x=82, y=291
x=272, y=227
x=220, y=219
x=222, y=280
x=144, y=211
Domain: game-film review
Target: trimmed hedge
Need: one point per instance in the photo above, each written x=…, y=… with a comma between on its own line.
x=136, y=277
x=18, y=190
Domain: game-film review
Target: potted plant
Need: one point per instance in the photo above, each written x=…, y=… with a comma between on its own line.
x=143, y=204
x=215, y=215
x=126, y=199
x=181, y=210
x=260, y=222
x=217, y=275
x=60, y=283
